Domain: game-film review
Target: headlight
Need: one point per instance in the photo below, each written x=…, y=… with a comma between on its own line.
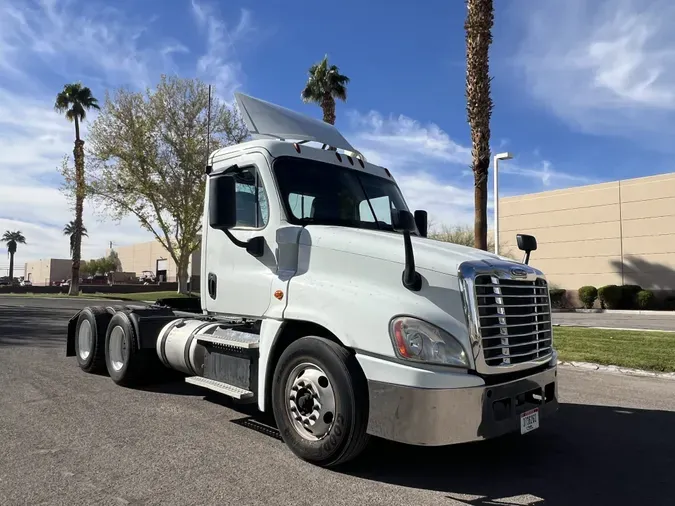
x=422, y=342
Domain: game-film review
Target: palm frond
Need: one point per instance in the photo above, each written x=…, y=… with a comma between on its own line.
x=324, y=79
x=75, y=100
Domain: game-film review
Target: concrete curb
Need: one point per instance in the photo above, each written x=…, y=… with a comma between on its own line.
x=626, y=371
x=631, y=329
x=616, y=311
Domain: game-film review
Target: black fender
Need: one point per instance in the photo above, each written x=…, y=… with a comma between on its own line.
x=70, y=338
x=147, y=322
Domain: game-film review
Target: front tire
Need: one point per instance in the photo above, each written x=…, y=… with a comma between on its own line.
x=320, y=402
x=90, y=333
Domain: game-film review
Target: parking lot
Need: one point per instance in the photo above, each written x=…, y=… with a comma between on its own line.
x=71, y=438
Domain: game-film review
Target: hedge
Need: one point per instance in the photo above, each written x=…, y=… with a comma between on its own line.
x=587, y=295
x=557, y=297
x=610, y=296
x=645, y=299
x=629, y=294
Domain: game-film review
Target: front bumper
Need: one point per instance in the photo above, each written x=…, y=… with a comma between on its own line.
x=435, y=417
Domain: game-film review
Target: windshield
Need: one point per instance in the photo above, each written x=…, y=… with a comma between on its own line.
x=326, y=194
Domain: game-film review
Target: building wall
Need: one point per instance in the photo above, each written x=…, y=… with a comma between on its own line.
x=143, y=257
x=612, y=233
x=45, y=271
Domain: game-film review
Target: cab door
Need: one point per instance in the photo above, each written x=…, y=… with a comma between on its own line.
x=238, y=282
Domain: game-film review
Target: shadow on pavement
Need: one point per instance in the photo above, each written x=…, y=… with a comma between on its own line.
x=587, y=455
x=33, y=326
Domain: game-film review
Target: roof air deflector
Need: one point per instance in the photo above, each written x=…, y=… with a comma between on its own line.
x=267, y=120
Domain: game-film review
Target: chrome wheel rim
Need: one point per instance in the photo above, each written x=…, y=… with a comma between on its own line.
x=84, y=340
x=310, y=400
x=118, y=348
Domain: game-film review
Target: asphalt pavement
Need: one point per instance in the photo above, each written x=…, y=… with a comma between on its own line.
x=71, y=438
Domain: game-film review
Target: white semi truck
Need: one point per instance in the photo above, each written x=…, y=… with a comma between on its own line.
x=323, y=302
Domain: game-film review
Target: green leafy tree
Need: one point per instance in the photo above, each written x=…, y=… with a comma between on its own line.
x=478, y=28
x=146, y=158
x=11, y=239
x=74, y=101
x=69, y=230
x=324, y=85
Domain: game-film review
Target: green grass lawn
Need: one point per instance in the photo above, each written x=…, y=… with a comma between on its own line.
x=653, y=351
x=149, y=296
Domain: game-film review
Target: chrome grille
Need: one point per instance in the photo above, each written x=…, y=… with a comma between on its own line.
x=514, y=319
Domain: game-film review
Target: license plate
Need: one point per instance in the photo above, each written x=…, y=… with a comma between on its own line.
x=529, y=421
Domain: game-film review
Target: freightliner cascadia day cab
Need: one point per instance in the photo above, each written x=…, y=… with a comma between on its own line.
x=323, y=302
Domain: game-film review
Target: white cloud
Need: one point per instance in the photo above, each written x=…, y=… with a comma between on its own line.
x=108, y=48
x=221, y=63
x=433, y=170
x=604, y=66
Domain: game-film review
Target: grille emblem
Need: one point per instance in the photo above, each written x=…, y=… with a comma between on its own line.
x=519, y=273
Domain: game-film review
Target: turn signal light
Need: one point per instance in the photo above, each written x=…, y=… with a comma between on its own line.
x=279, y=294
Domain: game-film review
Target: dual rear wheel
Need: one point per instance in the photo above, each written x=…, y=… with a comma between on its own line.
x=105, y=341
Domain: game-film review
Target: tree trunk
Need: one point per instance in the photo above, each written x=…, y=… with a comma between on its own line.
x=328, y=106
x=11, y=268
x=78, y=154
x=478, y=27
x=183, y=276
x=480, y=196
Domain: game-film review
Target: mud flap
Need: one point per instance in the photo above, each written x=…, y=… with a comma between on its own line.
x=70, y=339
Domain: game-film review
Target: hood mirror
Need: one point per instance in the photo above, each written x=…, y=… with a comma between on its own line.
x=528, y=244
x=403, y=221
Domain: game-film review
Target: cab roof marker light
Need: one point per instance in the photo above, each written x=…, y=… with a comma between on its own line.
x=351, y=161
x=338, y=156
x=387, y=171
x=296, y=146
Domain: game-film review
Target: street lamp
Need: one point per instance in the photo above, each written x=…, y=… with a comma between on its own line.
x=500, y=156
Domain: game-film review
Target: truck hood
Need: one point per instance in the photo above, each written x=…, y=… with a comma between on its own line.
x=431, y=255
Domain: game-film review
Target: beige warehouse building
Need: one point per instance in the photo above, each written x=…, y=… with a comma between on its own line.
x=152, y=256
x=47, y=271
x=611, y=233
x=134, y=258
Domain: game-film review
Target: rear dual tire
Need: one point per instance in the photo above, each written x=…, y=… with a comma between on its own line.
x=127, y=364
x=92, y=325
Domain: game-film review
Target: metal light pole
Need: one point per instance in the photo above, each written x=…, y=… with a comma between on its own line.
x=500, y=156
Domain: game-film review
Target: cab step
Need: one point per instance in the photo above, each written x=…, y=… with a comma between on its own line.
x=220, y=387
x=232, y=338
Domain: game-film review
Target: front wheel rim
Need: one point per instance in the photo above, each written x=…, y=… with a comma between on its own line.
x=118, y=348
x=310, y=401
x=84, y=340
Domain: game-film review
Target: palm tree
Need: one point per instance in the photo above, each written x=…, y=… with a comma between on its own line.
x=11, y=239
x=75, y=100
x=324, y=85
x=69, y=230
x=478, y=27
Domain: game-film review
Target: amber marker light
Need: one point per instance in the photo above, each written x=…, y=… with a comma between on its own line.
x=279, y=294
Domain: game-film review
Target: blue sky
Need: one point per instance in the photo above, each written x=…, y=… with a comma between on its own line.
x=583, y=90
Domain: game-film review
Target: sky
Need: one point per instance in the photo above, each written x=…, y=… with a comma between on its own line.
x=584, y=91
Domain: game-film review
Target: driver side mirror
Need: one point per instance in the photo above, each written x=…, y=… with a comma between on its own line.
x=222, y=202
x=526, y=243
x=402, y=221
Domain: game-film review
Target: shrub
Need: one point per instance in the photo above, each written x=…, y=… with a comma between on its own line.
x=587, y=295
x=557, y=297
x=610, y=296
x=629, y=296
x=669, y=303
x=645, y=299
